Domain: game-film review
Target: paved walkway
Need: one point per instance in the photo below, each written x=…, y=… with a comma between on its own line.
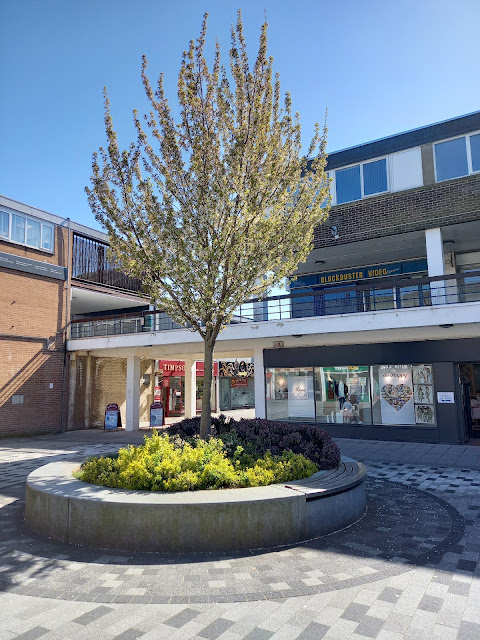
x=408, y=570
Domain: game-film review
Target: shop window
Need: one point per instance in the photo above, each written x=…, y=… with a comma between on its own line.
x=403, y=395
x=342, y=395
x=451, y=159
x=290, y=394
x=469, y=288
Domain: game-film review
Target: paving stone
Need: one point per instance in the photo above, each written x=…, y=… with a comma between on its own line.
x=215, y=629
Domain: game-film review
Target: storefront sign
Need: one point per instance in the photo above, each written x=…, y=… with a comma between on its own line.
x=236, y=383
x=445, y=397
x=236, y=369
x=361, y=273
x=396, y=394
x=177, y=368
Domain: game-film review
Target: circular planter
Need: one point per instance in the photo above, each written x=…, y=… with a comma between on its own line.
x=61, y=507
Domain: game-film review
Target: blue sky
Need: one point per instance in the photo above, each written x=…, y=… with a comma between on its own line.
x=380, y=66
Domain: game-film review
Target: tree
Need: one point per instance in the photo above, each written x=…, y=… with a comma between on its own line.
x=216, y=205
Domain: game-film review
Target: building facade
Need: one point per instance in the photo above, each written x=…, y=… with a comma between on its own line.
x=405, y=214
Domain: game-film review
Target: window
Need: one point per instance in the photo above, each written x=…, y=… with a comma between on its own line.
x=33, y=233
x=375, y=177
x=475, y=149
x=393, y=394
x=451, y=159
x=348, y=184
x=4, y=224
x=361, y=180
x=18, y=229
x=458, y=157
x=28, y=231
x=47, y=237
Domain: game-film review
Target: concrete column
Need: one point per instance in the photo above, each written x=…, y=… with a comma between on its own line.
x=132, y=422
x=72, y=385
x=190, y=388
x=88, y=392
x=435, y=262
x=260, y=402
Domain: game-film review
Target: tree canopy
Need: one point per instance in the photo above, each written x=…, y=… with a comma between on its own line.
x=212, y=204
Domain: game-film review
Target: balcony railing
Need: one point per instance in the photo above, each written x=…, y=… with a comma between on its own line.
x=90, y=263
x=309, y=302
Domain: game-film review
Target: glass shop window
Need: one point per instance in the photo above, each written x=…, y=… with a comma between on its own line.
x=290, y=394
x=403, y=394
x=342, y=395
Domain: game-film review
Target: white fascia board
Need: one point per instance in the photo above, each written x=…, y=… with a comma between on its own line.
x=355, y=323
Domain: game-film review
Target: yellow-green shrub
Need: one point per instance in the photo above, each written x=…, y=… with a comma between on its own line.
x=166, y=464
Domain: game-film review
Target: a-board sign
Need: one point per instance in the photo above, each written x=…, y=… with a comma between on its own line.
x=113, y=419
x=156, y=415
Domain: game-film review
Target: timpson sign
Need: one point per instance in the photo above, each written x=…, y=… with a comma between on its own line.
x=177, y=368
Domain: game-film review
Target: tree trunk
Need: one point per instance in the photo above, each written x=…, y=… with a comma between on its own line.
x=206, y=417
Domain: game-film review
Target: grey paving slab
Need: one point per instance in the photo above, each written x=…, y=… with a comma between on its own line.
x=408, y=569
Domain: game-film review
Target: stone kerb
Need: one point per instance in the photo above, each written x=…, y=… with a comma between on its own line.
x=61, y=507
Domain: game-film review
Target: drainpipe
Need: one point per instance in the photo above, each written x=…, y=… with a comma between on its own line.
x=66, y=331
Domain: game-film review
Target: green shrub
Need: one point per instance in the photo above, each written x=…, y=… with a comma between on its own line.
x=171, y=464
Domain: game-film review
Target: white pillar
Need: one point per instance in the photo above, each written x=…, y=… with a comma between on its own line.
x=260, y=403
x=435, y=262
x=190, y=388
x=132, y=422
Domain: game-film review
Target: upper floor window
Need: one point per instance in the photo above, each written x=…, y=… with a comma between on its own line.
x=458, y=157
x=28, y=231
x=361, y=180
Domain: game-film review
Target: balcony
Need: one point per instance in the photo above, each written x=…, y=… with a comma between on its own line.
x=90, y=264
x=311, y=302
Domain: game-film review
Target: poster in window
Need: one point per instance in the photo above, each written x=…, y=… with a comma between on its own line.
x=422, y=374
x=423, y=394
x=300, y=397
x=425, y=414
x=396, y=394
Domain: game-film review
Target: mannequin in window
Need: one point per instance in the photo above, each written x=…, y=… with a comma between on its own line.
x=341, y=391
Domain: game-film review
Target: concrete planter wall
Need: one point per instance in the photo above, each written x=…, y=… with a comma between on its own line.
x=60, y=507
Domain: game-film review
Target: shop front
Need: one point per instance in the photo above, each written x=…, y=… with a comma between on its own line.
x=236, y=380
x=170, y=386
x=347, y=291
x=419, y=391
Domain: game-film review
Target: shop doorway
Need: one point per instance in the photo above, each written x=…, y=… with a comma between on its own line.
x=469, y=377
x=173, y=396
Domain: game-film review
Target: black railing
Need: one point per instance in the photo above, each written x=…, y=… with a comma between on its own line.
x=90, y=263
x=375, y=296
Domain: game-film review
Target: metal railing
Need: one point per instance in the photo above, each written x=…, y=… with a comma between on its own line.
x=309, y=302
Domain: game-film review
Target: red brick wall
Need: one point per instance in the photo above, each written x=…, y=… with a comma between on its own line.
x=32, y=323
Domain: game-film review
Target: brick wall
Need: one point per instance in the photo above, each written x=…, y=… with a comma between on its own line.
x=32, y=353
x=438, y=205
x=108, y=380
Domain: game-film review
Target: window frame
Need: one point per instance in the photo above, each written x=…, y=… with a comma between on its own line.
x=467, y=137
x=362, y=187
x=27, y=218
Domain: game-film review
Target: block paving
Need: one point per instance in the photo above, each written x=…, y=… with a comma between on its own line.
x=408, y=570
